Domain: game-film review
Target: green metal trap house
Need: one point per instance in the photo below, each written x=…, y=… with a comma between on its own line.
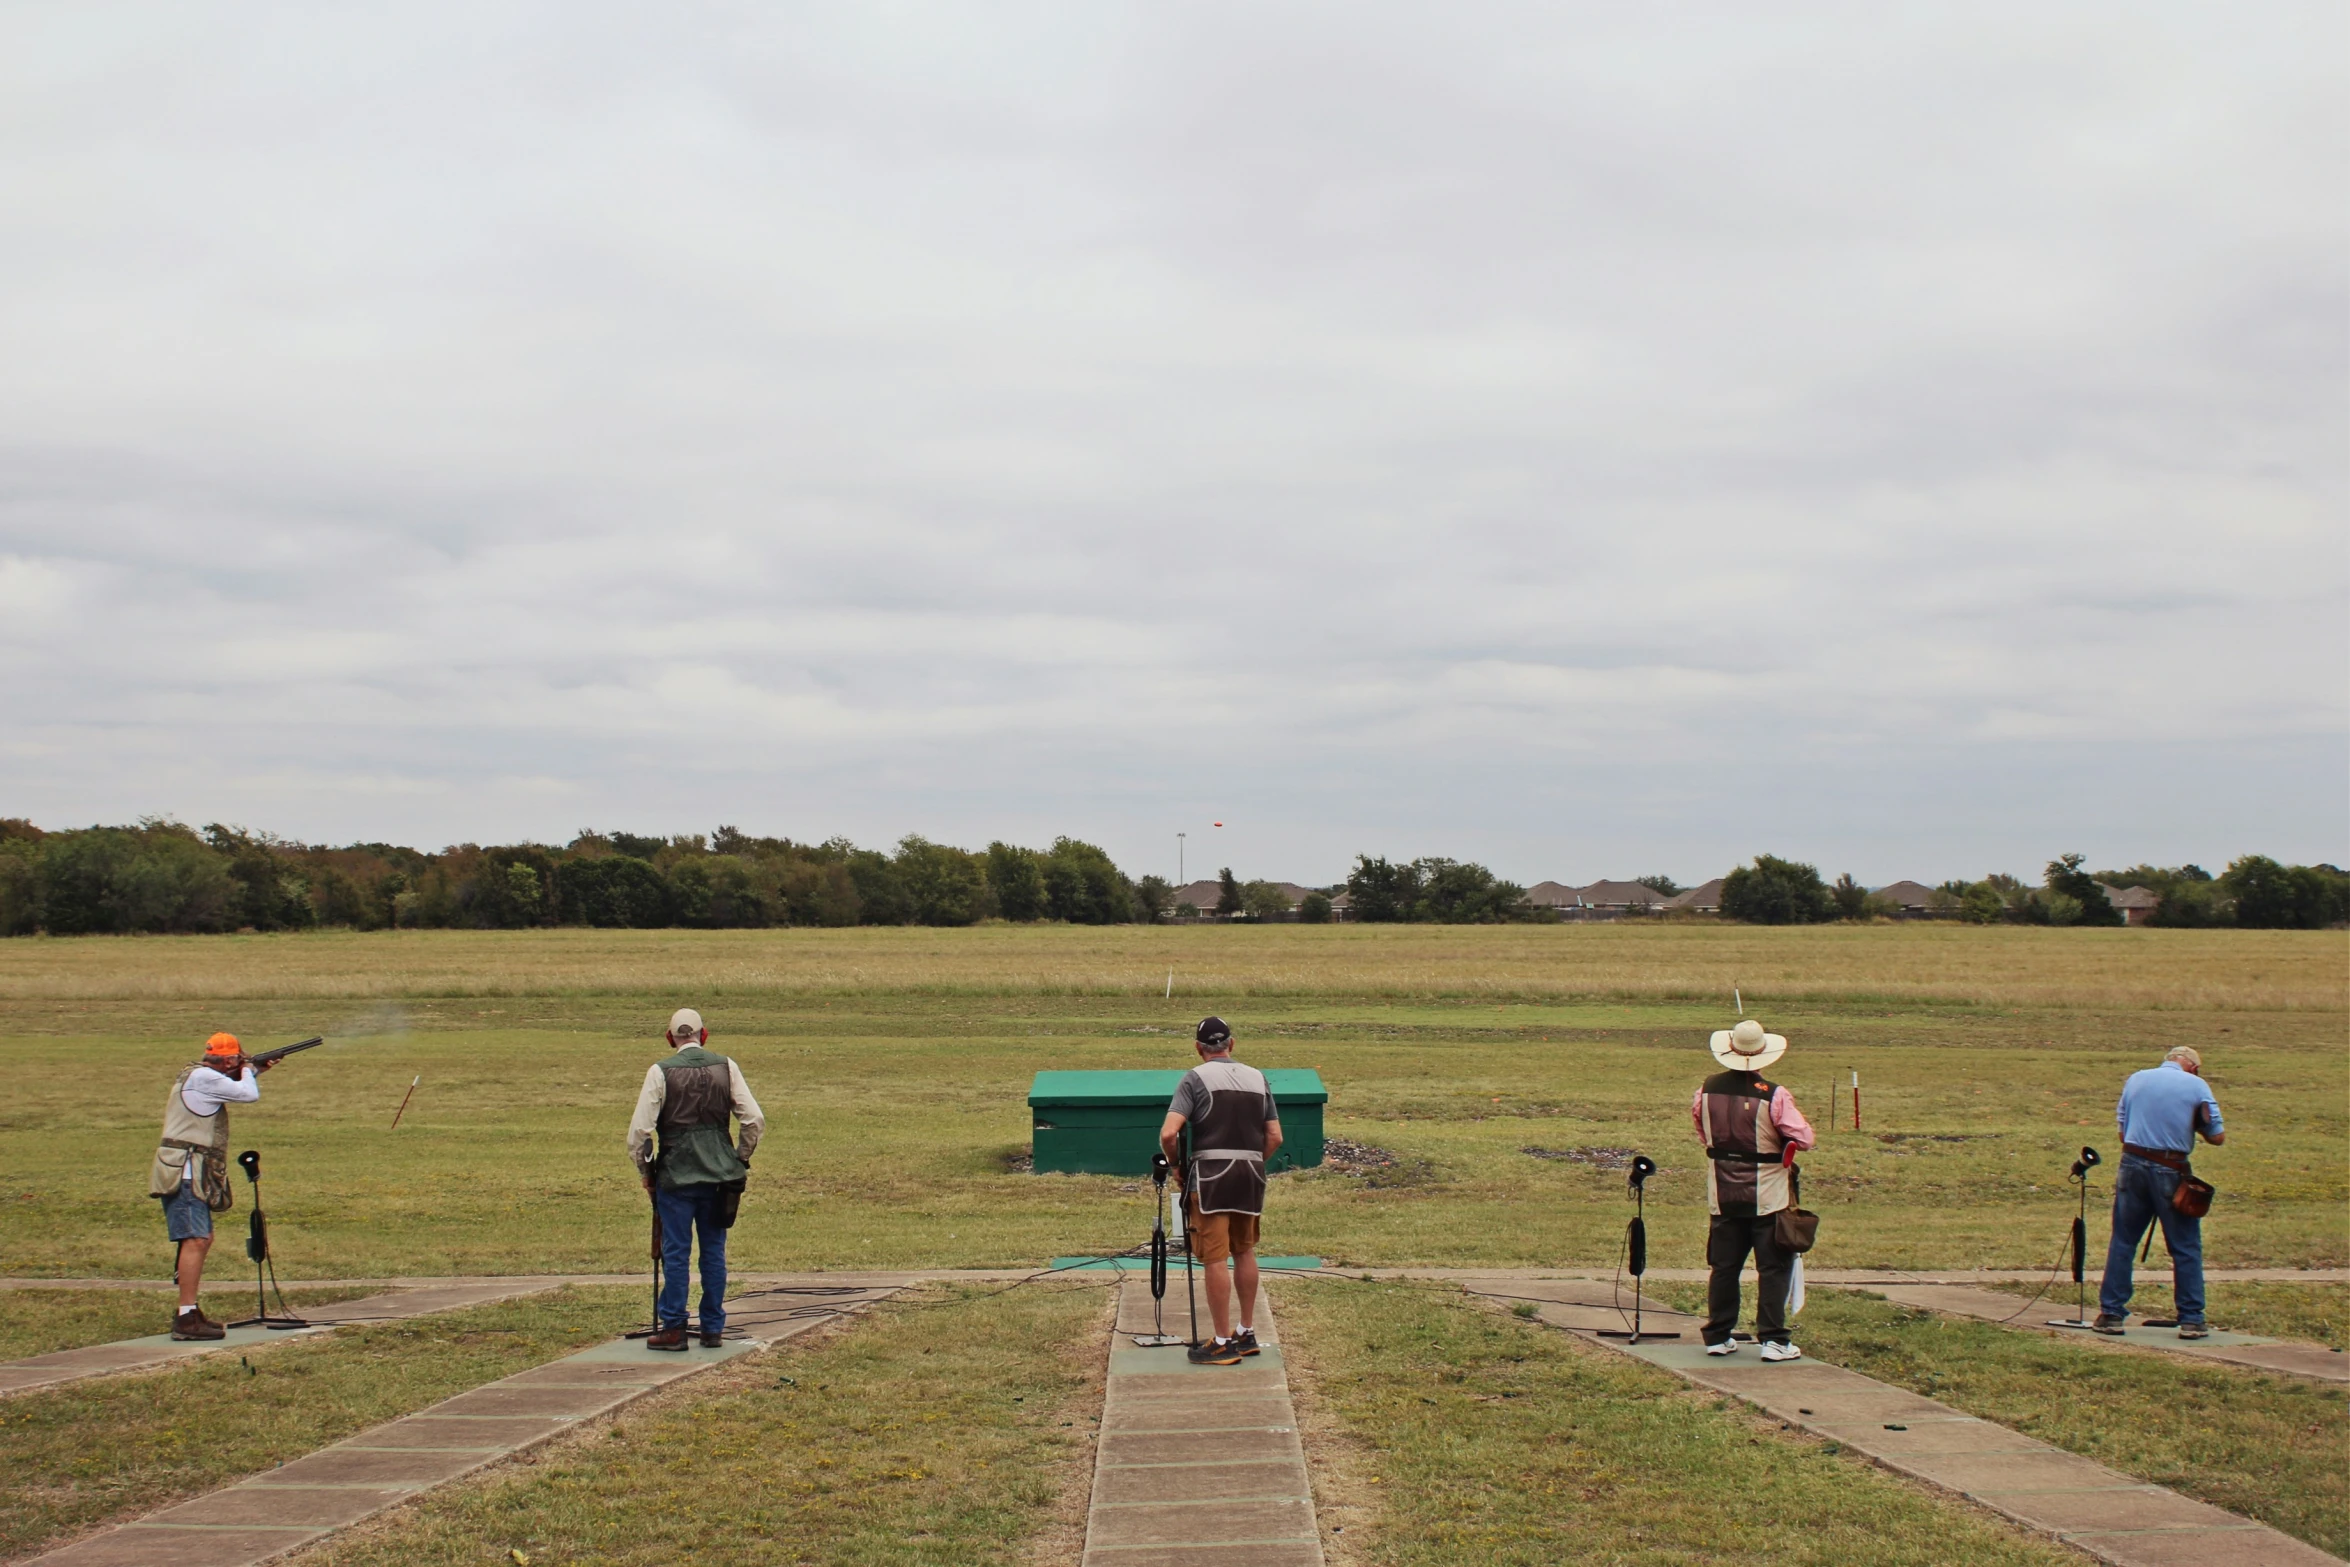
x=1107, y=1123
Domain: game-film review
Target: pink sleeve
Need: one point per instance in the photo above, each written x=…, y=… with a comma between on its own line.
x=1793, y=1128
x=1697, y=1113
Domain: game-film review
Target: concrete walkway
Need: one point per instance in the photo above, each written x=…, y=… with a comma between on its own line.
x=2235, y=1349
x=2110, y=1515
x=160, y=1349
x=1198, y=1466
x=283, y=1509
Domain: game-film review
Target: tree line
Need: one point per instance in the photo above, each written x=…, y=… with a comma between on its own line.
x=161, y=876
x=2255, y=893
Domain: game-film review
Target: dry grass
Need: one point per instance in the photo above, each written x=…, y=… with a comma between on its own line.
x=2136, y=969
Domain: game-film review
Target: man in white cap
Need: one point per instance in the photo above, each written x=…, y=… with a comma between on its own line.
x=1751, y=1131
x=697, y=1177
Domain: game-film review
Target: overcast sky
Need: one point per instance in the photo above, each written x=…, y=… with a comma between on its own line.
x=1596, y=440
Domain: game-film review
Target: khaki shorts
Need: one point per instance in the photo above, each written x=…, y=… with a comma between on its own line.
x=1216, y=1236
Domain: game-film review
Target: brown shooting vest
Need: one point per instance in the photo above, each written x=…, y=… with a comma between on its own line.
x=697, y=1098
x=1743, y=1174
x=187, y=1135
x=1228, y=1139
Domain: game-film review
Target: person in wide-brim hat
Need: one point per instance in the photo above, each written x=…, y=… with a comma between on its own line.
x=1751, y=1130
x=1747, y=1048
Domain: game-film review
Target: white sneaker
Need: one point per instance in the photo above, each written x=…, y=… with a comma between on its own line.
x=1781, y=1352
x=1728, y=1346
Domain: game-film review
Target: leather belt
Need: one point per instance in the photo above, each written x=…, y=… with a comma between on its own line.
x=1249, y=1154
x=1740, y=1156
x=2162, y=1156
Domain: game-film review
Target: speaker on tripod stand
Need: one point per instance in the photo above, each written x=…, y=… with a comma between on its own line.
x=257, y=1248
x=2080, y=1175
x=1636, y=1250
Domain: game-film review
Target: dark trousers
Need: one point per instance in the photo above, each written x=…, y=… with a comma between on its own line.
x=1727, y=1242
x=686, y=1211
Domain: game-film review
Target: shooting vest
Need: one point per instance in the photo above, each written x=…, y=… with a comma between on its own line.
x=1743, y=1175
x=697, y=1098
x=1228, y=1139
x=187, y=1135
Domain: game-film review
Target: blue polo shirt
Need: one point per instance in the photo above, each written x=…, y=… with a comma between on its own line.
x=2158, y=1106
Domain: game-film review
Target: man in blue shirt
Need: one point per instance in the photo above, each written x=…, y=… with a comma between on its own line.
x=2162, y=1110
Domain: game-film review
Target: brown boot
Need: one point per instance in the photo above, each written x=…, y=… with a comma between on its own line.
x=192, y=1325
x=712, y=1340
x=668, y=1338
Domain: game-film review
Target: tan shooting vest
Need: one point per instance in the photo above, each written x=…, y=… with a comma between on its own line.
x=187, y=1135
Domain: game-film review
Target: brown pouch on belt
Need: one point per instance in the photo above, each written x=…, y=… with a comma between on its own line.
x=2192, y=1198
x=1796, y=1226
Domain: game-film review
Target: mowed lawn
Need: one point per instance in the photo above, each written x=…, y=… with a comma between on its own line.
x=894, y=1065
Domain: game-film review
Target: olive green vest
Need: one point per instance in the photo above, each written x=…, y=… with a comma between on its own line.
x=697, y=1100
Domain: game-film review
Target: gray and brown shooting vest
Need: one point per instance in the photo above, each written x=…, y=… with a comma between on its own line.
x=697, y=1100
x=1228, y=1138
x=1743, y=1174
x=187, y=1135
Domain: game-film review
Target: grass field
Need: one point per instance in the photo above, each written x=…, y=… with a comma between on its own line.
x=2267, y=1446
x=1448, y=1433
x=89, y=1453
x=894, y=1066
x=950, y=1429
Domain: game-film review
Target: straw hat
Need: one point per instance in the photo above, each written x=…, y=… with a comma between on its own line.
x=1747, y=1048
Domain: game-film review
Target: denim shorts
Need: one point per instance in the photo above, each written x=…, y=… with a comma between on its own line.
x=186, y=1217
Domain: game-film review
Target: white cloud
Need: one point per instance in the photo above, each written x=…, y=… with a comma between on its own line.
x=1586, y=438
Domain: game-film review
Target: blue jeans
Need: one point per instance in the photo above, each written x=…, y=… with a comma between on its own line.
x=2141, y=1195
x=683, y=1211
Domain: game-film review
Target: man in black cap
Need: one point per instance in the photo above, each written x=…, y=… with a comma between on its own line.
x=1235, y=1129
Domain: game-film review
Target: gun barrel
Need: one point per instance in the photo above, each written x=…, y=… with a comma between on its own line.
x=282, y=1051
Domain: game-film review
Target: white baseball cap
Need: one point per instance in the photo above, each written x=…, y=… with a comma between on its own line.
x=686, y=1021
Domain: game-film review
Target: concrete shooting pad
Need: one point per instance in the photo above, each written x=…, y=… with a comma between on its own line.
x=308, y=1499
x=2235, y=1349
x=2111, y=1516
x=1174, y=1433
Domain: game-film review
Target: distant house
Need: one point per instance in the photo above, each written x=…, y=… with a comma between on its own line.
x=1202, y=895
x=1916, y=900
x=2136, y=905
x=1602, y=900
x=1703, y=899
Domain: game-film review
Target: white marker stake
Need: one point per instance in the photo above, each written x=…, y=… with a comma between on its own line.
x=1741, y=1000
x=1170, y=983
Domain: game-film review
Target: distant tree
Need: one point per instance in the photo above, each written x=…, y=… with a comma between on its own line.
x=1083, y=885
x=1187, y=910
x=2066, y=879
x=23, y=902
x=615, y=891
x=1982, y=904
x=1851, y=898
x=1152, y=895
x=944, y=886
x=1459, y=892
x=1016, y=877
x=1382, y=893
x=1662, y=886
x=2274, y=896
x=634, y=844
x=1773, y=891
x=1264, y=900
x=881, y=891
x=1228, y=898
x=1314, y=909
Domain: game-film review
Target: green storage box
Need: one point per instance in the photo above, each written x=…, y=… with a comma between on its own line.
x=1107, y=1123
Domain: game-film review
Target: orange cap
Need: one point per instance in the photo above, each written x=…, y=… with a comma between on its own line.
x=223, y=1045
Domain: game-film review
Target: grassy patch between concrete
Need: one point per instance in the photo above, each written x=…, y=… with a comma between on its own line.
x=2269, y=1447
x=96, y=1452
x=1486, y=1439
x=38, y=1322
x=937, y=1431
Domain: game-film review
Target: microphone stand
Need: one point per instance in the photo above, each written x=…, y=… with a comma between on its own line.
x=1159, y=1337
x=257, y=1248
x=2080, y=1174
x=1636, y=1243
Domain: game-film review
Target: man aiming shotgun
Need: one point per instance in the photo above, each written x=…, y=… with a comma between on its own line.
x=190, y=1173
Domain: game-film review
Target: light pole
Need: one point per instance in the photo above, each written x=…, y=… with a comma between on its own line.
x=1179, y=881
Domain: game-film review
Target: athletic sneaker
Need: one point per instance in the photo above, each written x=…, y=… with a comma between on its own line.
x=1208, y=1352
x=1728, y=1346
x=1246, y=1342
x=2110, y=1323
x=192, y=1325
x=1772, y=1351
x=2193, y=1330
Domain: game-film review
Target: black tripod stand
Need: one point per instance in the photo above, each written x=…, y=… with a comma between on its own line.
x=2080, y=1175
x=1159, y=1337
x=264, y=1267
x=1636, y=1249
